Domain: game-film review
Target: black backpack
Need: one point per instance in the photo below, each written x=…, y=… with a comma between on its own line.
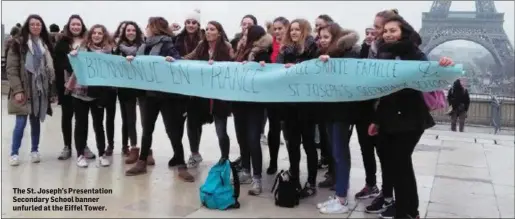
x=286, y=194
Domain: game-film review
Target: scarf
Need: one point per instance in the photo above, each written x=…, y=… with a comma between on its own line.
x=128, y=50
x=156, y=43
x=77, y=90
x=35, y=65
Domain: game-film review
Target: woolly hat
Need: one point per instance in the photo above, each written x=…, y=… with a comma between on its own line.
x=194, y=15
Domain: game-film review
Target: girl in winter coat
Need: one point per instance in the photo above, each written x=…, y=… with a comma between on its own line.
x=339, y=119
x=273, y=110
x=94, y=99
x=215, y=47
x=30, y=72
x=401, y=117
x=172, y=107
x=129, y=41
x=247, y=115
x=299, y=122
x=74, y=34
x=186, y=42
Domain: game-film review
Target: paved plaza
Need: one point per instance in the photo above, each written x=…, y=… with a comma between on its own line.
x=459, y=175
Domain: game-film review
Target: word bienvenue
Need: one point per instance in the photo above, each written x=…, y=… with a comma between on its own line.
x=337, y=80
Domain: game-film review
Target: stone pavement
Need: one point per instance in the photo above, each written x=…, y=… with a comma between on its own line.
x=459, y=175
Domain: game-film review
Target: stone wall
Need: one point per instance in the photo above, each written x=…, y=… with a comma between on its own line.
x=479, y=111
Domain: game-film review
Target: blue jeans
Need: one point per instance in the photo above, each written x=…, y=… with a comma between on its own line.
x=19, y=127
x=339, y=137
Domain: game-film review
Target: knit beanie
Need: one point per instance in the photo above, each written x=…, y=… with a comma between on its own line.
x=194, y=15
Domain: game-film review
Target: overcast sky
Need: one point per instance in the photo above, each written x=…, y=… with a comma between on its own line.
x=350, y=14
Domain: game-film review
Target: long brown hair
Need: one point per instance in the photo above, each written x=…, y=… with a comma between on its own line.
x=222, y=50
x=107, y=41
x=387, y=14
x=336, y=32
x=306, y=31
x=159, y=26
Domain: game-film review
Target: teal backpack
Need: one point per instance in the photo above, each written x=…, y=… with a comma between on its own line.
x=218, y=192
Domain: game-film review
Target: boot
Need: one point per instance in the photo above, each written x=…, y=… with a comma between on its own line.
x=185, y=175
x=133, y=156
x=125, y=151
x=150, y=159
x=138, y=169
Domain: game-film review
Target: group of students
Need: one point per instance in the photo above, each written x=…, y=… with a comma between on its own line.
x=40, y=73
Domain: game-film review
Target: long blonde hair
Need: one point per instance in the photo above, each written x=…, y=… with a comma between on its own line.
x=306, y=31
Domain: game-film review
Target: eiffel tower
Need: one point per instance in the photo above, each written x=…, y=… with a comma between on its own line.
x=483, y=26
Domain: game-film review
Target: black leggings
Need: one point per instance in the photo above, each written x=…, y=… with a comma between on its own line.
x=401, y=147
x=274, y=134
x=82, y=109
x=297, y=131
x=247, y=123
x=128, y=111
x=173, y=114
x=66, y=119
x=194, y=131
x=368, y=146
x=110, y=109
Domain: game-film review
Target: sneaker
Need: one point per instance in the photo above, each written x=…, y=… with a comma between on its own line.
x=34, y=157
x=389, y=211
x=328, y=202
x=264, y=140
x=15, y=160
x=66, y=153
x=194, y=160
x=334, y=206
x=308, y=190
x=88, y=154
x=82, y=162
x=367, y=192
x=256, y=188
x=244, y=177
x=378, y=205
x=104, y=162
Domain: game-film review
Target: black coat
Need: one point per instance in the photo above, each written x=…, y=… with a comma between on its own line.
x=404, y=110
x=61, y=63
x=299, y=111
x=261, y=52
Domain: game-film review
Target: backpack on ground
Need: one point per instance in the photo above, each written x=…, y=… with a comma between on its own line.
x=218, y=192
x=435, y=100
x=286, y=190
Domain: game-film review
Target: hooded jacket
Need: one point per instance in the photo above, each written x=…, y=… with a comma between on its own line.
x=346, y=111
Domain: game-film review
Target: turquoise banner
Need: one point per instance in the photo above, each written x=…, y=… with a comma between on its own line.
x=311, y=81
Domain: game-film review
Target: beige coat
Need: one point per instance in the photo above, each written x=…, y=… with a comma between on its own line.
x=18, y=77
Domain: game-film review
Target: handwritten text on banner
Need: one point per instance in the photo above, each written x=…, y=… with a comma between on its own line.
x=310, y=81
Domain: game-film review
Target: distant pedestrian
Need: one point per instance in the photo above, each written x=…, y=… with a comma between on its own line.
x=459, y=99
x=496, y=114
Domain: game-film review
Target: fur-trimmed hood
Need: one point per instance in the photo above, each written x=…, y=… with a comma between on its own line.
x=263, y=44
x=349, y=40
